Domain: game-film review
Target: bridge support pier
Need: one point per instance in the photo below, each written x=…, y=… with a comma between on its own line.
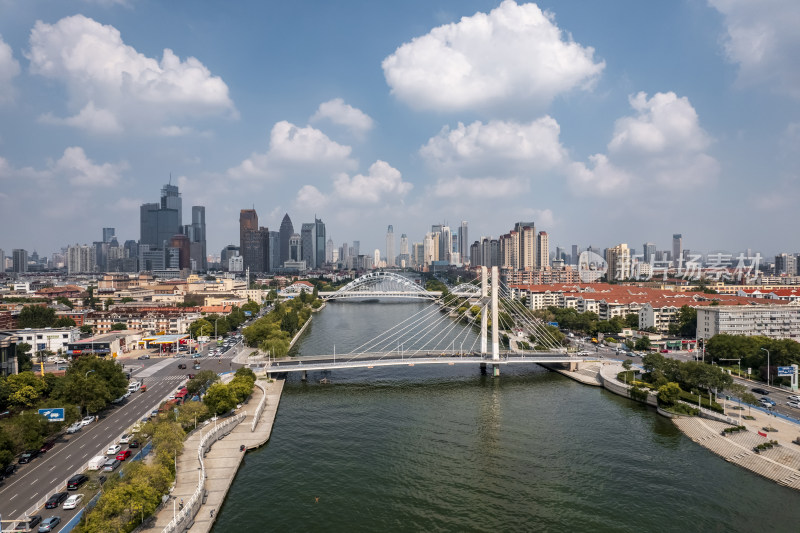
x=483, y=369
x=304, y=375
x=496, y=370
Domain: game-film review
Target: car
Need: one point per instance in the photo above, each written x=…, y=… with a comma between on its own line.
x=74, y=428
x=133, y=444
x=124, y=454
x=758, y=390
x=125, y=438
x=49, y=524
x=196, y=366
x=113, y=449
x=55, y=500
x=73, y=501
x=31, y=523
x=111, y=465
x=793, y=403
x=28, y=456
x=10, y=469
x=182, y=366
x=190, y=376
x=87, y=420
x=47, y=446
x=145, y=356
x=196, y=355
x=76, y=481
x=794, y=398
x=767, y=400
x=765, y=405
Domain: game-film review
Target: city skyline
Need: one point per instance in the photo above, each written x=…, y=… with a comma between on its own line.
x=659, y=128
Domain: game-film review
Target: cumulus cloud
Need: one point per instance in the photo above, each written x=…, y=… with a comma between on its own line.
x=601, y=178
x=294, y=147
x=762, y=38
x=515, y=54
x=111, y=83
x=73, y=167
x=309, y=197
x=9, y=69
x=496, y=147
x=383, y=183
x=345, y=115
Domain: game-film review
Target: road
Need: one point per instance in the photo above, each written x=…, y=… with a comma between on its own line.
x=37, y=480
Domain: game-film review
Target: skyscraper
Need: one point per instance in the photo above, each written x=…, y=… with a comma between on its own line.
x=463, y=242
x=274, y=250
x=390, y=246
x=329, y=247
x=618, y=259
x=648, y=252
x=2, y=261
x=197, y=237
x=253, y=242
x=248, y=221
x=80, y=259
x=171, y=199
x=19, y=257
x=542, y=250
x=319, y=239
x=308, y=244
x=526, y=254
x=677, y=248
x=286, y=231
x=108, y=234
x=405, y=258
x=356, y=249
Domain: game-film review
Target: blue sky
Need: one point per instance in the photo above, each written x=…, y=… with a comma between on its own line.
x=604, y=122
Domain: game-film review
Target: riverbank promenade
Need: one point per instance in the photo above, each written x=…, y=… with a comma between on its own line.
x=222, y=460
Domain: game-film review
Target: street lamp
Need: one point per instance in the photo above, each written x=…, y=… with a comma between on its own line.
x=764, y=349
x=87, y=377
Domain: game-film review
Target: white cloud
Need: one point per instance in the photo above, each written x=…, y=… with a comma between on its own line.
x=9, y=69
x=480, y=188
x=310, y=198
x=105, y=76
x=514, y=55
x=345, y=115
x=497, y=147
x=90, y=118
x=81, y=171
x=603, y=178
x=383, y=183
x=763, y=39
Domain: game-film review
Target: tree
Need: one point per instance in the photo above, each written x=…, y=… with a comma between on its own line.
x=36, y=316
x=289, y=323
x=63, y=300
x=668, y=394
x=109, y=302
x=632, y=320
x=64, y=322
x=251, y=306
x=126, y=299
x=24, y=362
x=201, y=381
x=86, y=329
x=91, y=383
x=119, y=326
x=626, y=364
x=219, y=399
x=643, y=343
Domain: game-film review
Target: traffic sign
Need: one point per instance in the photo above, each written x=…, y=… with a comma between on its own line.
x=53, y=415
x=785, y=371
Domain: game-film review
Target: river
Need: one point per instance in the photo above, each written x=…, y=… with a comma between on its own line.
x=447, y=449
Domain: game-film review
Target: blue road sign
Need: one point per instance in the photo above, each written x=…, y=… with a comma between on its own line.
x=785, y=371
x=248, y=313
x=552, y=324
x=53, y=415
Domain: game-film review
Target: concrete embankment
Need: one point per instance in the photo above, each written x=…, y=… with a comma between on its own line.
x=222, y=460
x=780, y=463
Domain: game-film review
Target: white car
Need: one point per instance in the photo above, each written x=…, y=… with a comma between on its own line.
x=87, y=420
x=793, y=403
x=74, y=428
x=73, y=501
x=794, y=398
x=125, y=439
x=113, y=449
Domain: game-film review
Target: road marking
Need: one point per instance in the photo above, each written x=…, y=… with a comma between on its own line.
x=11, y=498
x=52, y=467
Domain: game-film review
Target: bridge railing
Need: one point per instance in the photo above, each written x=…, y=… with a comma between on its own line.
x=260, y=407
x=185, y=515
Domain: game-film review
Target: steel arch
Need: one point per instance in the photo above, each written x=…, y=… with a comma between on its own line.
x=376, y=284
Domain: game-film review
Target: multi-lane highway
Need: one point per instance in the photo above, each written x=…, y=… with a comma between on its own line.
x=39, y=479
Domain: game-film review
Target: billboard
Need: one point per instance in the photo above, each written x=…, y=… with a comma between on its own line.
x=53, y=415
x=785, y=371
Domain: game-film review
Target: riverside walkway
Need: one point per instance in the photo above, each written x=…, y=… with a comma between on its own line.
x=221, y=461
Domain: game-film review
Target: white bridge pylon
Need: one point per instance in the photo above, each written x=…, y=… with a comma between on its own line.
x=381, y=284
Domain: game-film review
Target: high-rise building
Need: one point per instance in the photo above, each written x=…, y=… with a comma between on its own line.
x=376, y=257
x=677, y=248
x=197, y=238
x=20, y=260
x=542, y=250
x=274, y=250
x=171, y=199
x=575, y=254
x=618, y=259
x=2, y=261
x=463, y=242
x=356, y=250
x=428, y=251
x=390, y=246
x=286, y=232
x=80, y=259
x=224, y=256
x=182, y=244
x=108, y=234
x=295, y=248
x=248, y=221
x=785, y=265
x=405, y=257
x=526, y=255
x=309, y=244
x=329, y=249
x=319, y=240
x=648, y=252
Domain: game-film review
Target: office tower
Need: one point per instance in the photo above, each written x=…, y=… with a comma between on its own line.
x=618, y=259
x=446, y=245
x=390, y=246
x=575, y=254
x=376, y=258
x=526, y=254
x=463, y=242
x=181, y=243
x=2, y=261
x=559, y=253
x=108, y=234
x=171, y=199
x=417, y=254
x=286, y=231
x=542, y=250
x=648, y=252
x=428, y=252
x=131, y=248
x=309, y=244
x=785, y=264
x=80, y=259
x=224, y=256
x=356, y=250
x=329, y=250
x=197, y=237
x=248, y=221
x=101, y=255
x=20, y=260
x=344, y=253
x=255, y=250
x=319, y=239
x=274, y=250
x=677, y=248
x=295, y=248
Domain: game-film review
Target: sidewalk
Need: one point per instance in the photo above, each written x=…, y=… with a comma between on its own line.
x=222, y=460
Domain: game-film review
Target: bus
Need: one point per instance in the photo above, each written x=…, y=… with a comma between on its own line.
x=180, y=396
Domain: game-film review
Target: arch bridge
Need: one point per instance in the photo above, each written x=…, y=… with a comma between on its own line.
x=381, y=284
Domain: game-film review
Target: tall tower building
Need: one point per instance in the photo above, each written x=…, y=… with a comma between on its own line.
x=19, y=258
x=355, y=251
x=253, y=242
x=286, y=231
x=274, y=250
x=542, y=250
x=171, y=199
x=248, y=221
x=2, y=261
x=108, y=234
x=677, y=248
x=309, y=244
x=618, y=259
x=463, y=242
x=390, y=246
x=648, y=252
x=526, y=254
x=197, y=238
x=329, y=247
x=319, y=240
